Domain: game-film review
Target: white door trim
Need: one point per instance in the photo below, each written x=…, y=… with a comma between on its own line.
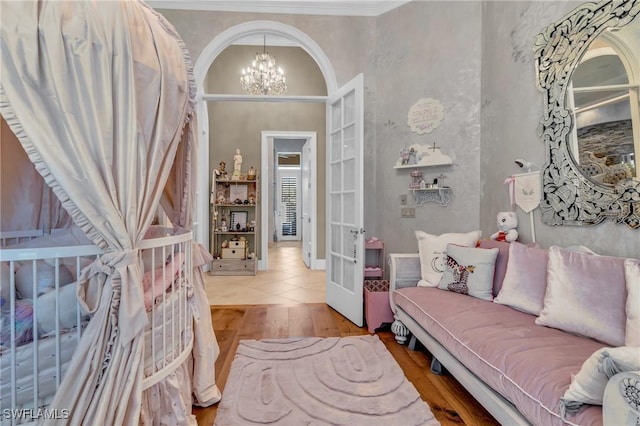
x=200, y=70
x=266, y=171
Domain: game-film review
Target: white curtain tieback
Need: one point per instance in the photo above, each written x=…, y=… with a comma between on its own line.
x=112, y=266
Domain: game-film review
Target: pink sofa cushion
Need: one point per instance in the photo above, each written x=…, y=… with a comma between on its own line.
x=528, y=364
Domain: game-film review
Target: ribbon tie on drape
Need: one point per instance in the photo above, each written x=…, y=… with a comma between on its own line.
x=120, y=271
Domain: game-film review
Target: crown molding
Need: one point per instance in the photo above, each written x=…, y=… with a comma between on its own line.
x=300, y=7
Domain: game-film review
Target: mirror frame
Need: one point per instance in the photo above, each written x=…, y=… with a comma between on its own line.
x=569, y=197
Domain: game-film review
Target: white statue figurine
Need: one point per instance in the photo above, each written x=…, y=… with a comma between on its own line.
x=237, y=164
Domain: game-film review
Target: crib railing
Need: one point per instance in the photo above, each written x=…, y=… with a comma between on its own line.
x=32, y=366
x=8, y=238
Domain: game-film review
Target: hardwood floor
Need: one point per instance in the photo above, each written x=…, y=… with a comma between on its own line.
x=449, y=401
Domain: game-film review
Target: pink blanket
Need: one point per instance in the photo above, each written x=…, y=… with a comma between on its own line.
x=157, y=282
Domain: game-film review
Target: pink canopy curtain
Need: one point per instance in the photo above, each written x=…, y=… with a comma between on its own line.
x=98, y=94
x=26, y=202
x=178, y=201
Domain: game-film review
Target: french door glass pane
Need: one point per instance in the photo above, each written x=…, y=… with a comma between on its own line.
x=336, y=115
x=336, y=269
x=348, y=277
x=349, y=108
x=336, y=146
x=336, y=208
x=336, y=177
x=349, y=141
x=349, y=174
x=336, y=238
x=349, y=214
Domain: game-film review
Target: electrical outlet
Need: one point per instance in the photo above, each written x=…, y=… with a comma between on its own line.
x=408, y=212
x=403, y=199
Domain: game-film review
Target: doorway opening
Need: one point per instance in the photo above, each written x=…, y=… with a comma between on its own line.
x=289, y=163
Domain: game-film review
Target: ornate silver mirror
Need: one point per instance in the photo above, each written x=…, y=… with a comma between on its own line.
x=588, y=69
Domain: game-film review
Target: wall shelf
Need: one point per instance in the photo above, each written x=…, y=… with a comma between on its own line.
x=436, y=195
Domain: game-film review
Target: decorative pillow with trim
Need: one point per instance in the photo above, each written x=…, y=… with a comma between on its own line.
x=470, y=270
x=432, y=250
x=632, y=278
x=501, y=262
x=525, y=281
x=586, y=294
x=587, y=387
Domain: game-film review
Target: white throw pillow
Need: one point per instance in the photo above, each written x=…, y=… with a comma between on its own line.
x=587, y=387
x=45, y=275
x=470, y=270
x=632, y=278
x=586, y=294
x=432, y=250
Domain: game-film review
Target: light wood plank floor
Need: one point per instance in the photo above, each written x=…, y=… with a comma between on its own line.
x=449, y=401
x=288, y=301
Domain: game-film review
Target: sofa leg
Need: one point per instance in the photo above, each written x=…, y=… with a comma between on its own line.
x=437, y=368
x=401, y=332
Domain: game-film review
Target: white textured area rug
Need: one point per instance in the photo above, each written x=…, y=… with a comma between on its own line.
x=315, y=381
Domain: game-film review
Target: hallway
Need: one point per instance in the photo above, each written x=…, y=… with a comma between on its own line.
x=287, y=281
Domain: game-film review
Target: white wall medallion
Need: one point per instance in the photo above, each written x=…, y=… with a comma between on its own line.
x=425, y=115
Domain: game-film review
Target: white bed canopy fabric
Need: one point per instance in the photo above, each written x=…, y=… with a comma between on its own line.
x=100, y=96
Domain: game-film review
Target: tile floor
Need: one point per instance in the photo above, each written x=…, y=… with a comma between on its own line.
x=287, y=281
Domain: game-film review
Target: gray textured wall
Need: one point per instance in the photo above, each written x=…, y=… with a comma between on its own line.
x=511, y=110
x=477, y=59
x=428, y=50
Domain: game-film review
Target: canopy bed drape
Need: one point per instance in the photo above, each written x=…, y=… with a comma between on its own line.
x=100, y=96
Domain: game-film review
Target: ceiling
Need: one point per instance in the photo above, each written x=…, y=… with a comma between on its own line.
x=304, y=7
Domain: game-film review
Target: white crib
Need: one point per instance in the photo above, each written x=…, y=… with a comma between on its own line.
x=33, y=363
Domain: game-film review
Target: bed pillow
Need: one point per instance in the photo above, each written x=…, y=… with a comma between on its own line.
x=587, y=387
x=632, y=278
x=501, y=262
x=5, y=281
x=586, y=294
x=469, y=270
x=45, y=278
x=46, y=308
x=525, y=281
x=432, y=250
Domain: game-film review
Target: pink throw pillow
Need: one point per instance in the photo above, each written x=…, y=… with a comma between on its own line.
x=525, y=281
x=501, y=261
x=586, y=295
x=632, y=278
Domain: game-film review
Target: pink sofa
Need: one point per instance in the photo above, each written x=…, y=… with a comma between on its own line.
x=516, y=369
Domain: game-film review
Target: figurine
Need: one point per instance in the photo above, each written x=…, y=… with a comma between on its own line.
x=237, y=165
x=251, y=174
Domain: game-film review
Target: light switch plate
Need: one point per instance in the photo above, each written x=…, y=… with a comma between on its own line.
x=403, y=199
x=408, y=212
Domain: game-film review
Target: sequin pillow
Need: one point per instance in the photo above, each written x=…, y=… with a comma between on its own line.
x=632, y=278
x=586, y=294
x=525, y=281
x=469, y=271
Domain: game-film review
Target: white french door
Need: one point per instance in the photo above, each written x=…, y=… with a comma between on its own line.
x=345, y=219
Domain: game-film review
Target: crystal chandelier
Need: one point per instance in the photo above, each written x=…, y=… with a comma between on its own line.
x=262, y=77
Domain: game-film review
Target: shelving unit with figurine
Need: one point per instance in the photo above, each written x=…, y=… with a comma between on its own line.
x=234, y=202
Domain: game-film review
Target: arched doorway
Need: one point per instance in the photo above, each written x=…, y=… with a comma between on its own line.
x=201, y=68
